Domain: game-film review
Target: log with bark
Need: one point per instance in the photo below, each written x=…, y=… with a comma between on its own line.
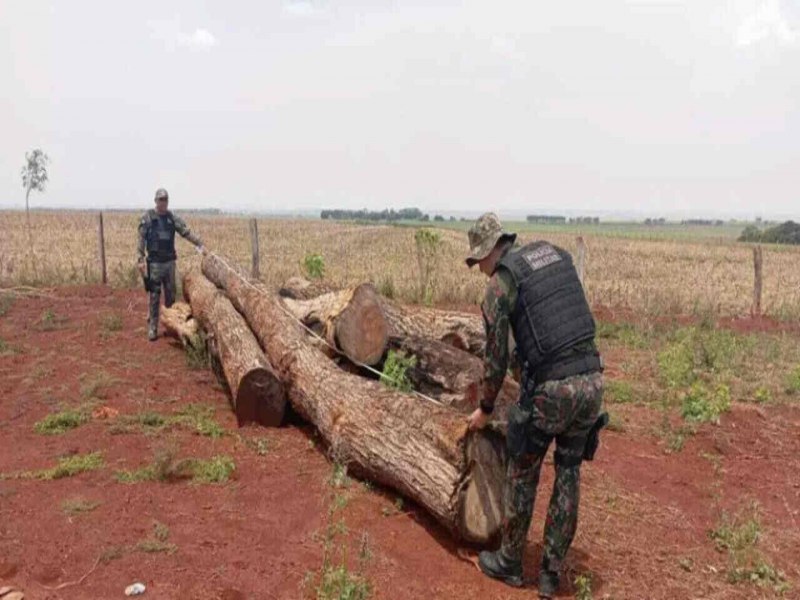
x=452, y=376
x=179, y=324
x=350, y=320
x=256, y=393
x=421, y=449
x=462, y=330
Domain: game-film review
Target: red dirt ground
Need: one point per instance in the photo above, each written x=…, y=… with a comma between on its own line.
x=645, y=514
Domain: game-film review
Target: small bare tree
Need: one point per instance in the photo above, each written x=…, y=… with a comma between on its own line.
x=34, y=175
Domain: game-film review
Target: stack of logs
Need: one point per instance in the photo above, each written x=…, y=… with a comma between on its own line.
x=263, y=350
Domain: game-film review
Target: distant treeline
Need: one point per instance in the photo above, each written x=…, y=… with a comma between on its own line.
x=404, y=214
x=712, y=222
x=560, y=220
x=785, y=233
x=659, y=221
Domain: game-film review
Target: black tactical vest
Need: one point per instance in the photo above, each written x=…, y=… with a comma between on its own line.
x=161, y=237
x=551, y=314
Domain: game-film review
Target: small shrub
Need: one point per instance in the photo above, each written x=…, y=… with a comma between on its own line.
x=428, y=245
x=702, y=405
x=762, y=394
x=197, y=356
x=676, y=365
x=314, y=266
x=739, y=535
x=583, y=587
x=395, y=371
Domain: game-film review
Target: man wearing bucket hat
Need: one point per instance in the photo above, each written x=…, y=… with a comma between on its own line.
x=536, y=291
x=156, y=235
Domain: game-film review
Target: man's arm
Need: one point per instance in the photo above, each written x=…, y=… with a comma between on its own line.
x=496, y=310
x=184, y=232
x=141, y=240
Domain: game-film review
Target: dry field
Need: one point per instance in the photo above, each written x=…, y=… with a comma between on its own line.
x=652, y=277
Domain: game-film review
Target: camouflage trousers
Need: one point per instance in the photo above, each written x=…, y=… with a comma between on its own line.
x=564, y=410
x=161, y=275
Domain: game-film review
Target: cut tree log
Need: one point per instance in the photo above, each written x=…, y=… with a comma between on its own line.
x=452, y=376
x=298, y=288
x=350, y=320
x=256, y=393
x=462, y=330
x=421, y=449
x=178, y=323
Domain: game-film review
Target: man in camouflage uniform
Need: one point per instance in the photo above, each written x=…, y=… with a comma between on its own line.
x=535, y=290
x=157, y=229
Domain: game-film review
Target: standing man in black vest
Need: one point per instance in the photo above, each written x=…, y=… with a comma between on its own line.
x=535, y=289
x=157, y=229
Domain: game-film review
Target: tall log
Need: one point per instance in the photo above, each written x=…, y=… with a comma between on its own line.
x=452, y=376
x=256, y=393
x=421, y=449
x=462, y=330
x=351, y=320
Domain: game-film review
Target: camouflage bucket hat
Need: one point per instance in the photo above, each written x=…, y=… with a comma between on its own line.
x=483, y=237
x=161, y=193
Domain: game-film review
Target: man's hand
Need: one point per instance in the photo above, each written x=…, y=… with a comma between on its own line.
x=141, y=267
x=478, y=420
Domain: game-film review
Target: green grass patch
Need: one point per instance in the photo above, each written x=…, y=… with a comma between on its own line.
x=111, y=322
x=739, y=535
x=167, y=468
x=618, y=391
x=50, y=321
x=7, y=349
x=793, y=381
x=626, y=334
x=63, y=421
x=6, y=302
x=217, y=469
x=158, y=543
x=198, y=418
x=395, y=371
x=66, y=467
x=78, y=506
x=583, y=587
x=702, y=404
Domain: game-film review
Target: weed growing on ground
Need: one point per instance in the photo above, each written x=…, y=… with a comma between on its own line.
x=63, y=421
x=78, y=506
x=615, y=423
x=66, y=467
x=197, y=356
x=198, y=418
x=49, y=321
x=7, y=349
x=701, y=404
x=96, y=386
x=217, y=469
x=793, y=381
x=583, y=587
x=158, y=543
x=618, y=391
x=626, y=334
x=314, y=266
x=112, y=553
x=6, y=302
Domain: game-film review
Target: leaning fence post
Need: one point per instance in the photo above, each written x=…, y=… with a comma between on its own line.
x=255, y=270
x=580, y=258
x=758, y=264
x=101, y=248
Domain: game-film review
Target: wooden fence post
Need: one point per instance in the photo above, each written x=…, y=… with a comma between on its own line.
x=101, y=248
x=255, y=270
x=758, y=263
x=580, y=259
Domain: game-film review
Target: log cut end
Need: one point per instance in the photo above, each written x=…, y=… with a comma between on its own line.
x=361, y=329
x=481, y=510
x=261, y=398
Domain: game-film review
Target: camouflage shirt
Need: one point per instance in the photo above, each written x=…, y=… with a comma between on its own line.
x=497, y=308
x=180, y=228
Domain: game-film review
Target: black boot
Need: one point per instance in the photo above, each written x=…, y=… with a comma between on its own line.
x=494, y=564
x=548, y=583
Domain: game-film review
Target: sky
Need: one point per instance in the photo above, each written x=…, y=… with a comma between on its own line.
x=642, y=107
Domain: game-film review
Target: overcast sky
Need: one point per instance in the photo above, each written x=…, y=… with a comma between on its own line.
x=511, y=106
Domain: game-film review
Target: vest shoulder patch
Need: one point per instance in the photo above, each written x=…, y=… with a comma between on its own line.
x=541, y=257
